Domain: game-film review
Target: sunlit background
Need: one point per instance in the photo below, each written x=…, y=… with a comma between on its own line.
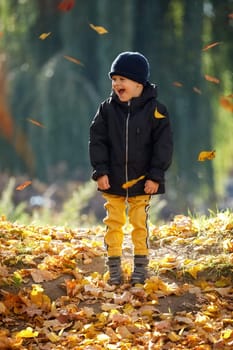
x=54, y=61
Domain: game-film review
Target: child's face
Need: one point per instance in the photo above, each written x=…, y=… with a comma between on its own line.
x=125, y=88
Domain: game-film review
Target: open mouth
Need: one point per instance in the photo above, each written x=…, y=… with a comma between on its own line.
x=121, y=91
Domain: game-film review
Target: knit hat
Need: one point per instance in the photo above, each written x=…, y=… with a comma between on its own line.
x=131, y=65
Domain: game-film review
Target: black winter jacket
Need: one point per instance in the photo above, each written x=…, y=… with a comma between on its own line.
x=128, y=141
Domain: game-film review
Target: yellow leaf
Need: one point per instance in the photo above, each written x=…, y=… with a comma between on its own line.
x=132, y=182
x=44, y=36
x=227, y=333
x=53, y=337
x=27, y=333
x=204, y=155
x=2, y=308
x=193, y=271
x=158, y=115
x=173, y=336
x=99, y=29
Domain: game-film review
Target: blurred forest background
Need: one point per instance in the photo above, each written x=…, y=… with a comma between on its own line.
x=54, y=62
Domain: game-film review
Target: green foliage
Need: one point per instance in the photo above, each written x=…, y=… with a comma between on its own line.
x=7, y=207
x=75, y=211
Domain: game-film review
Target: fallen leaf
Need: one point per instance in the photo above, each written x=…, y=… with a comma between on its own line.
x=73, y=59
x=204, y=155
x=23, y=185
x=35, y=122
x=44, y=36
x=207, y=47
x=39, y=276
x=100, y=30
x=66, y=5
x=158, y=115
x=27, y=333
x=132, y=182
x=212, y=79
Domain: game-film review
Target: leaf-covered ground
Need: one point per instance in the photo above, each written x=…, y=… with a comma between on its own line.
x=54, y=292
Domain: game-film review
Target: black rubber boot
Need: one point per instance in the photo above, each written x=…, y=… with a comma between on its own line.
x=140, y=269
x=115, y=272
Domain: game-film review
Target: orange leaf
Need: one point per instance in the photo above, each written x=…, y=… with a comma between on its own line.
x=99, y=29
x=1, y=35
x=73, y=59
x=44, y=36
x=211, y=45
x=23, y=185
x=35, y=122
x=226, y=104
x=204, y=155
x=66, y=5
x=198, y=91
x=212, y=79
x=177, y=84
x=230, y=15
x=132, y=182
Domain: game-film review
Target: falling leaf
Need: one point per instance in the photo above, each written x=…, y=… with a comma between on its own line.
x=226, y=103
x=230, y=15
x=23, y=185
x=66, y=5
x=177, y=83
x=198, y=91
x=35, y=122
x=158, y=115
x=132, y=182
x=204, y=155
x=212, y=79
x=1, y=35
x=98, y=29
x=44, y=36
x=73, y=59
x=207, y=47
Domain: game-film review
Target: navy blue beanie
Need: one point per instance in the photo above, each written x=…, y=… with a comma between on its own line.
x=132, y=65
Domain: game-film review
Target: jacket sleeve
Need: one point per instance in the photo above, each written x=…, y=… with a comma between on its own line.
x=162, y=145
x=98, y=145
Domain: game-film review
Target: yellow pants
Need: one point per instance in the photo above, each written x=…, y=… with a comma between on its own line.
x=115, y=219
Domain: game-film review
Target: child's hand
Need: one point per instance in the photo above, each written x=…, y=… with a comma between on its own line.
x=151, y=187
x=103, y=182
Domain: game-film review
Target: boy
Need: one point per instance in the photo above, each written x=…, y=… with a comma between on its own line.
x=130, y=139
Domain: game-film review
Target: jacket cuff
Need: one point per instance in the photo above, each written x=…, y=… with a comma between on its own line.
x=96, y=174
x=156, y=175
